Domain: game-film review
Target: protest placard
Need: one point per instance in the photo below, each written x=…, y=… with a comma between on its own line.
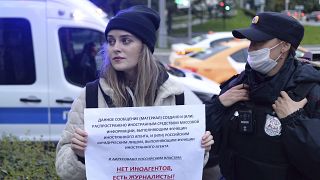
x=159, y=142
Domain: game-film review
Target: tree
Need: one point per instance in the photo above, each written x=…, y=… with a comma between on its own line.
x=111, y=7
x=279, y=5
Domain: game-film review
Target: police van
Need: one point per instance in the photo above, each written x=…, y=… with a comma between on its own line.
x=47, y=53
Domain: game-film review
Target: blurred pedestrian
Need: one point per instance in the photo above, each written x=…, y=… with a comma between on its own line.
x=130, y=77
x=88, y=63
x=266, y=121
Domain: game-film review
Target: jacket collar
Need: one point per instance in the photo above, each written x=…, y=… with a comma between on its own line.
x=266, y=89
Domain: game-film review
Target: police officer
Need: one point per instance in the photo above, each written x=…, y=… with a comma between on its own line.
x=266, y=121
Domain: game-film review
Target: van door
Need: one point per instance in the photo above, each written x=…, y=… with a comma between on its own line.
x=74, y=61
x=23, y=70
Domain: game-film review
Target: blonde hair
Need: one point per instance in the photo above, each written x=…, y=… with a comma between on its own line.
x=146, y=83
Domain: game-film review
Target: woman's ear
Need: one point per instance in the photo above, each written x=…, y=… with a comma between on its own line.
x=286, y=47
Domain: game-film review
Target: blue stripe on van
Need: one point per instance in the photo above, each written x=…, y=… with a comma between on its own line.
x=33, y=115
x=23, y=115
x=59, y=115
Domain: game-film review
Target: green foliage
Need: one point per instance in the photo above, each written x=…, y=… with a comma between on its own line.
x=279, y=5
x=26, y=159
x=311, y=35
x=240, y=20
x=310, y=5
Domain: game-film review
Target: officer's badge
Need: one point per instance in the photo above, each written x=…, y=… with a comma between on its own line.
x=272, y=126
x=255, y=20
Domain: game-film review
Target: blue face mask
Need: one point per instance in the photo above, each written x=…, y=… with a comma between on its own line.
x=260, y=60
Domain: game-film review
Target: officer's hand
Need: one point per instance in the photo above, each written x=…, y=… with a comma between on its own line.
x=284, y=105
x=207, y=141
x=79, y=142
x=235, y=94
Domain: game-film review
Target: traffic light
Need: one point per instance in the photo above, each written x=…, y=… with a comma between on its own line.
x=227, y=8
x=223, y=6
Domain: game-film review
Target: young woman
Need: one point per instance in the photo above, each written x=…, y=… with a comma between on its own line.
x=130, y=77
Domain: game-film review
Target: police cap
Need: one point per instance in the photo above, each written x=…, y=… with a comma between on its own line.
x=269, y=25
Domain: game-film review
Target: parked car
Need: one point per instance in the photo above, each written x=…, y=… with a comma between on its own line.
x=313, y=16
x=198, y=43
x=299, y=15
x=218, y=63
x=203, y=87
x=311, y=56
x=310, y=53
x=221, y=62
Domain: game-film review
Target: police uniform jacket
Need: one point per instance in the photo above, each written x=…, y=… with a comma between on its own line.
x=290, y=154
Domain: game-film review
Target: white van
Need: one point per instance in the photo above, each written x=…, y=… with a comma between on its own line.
x=45, y=52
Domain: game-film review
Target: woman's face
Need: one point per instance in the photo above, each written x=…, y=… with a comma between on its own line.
x=124, y=51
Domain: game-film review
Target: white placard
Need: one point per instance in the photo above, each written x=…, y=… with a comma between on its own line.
x=159, y=142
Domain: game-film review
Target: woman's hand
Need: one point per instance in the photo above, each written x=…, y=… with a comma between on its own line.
x=207, y=141
x=79, y=142
x=235, y=94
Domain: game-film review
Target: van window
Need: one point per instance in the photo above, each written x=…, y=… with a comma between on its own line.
x=79, y=51
x=17, y=65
